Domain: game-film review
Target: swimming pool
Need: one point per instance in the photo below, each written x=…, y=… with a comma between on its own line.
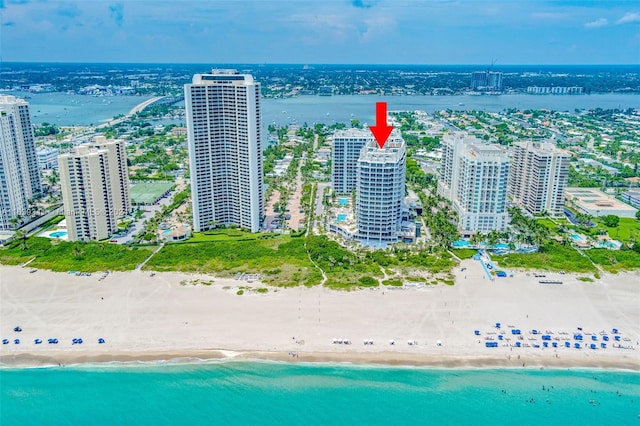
x=501, y=246
x=461, y=243
x=58, y=234
x=341, y=217
x=343, y=201
x=577, y=238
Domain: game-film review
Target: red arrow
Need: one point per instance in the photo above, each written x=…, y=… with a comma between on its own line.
x=381, y=131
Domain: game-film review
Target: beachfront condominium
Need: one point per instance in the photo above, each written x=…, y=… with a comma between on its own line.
x=93, y=193
x=118, y=172
x=380, y=191
x=474, y=178
x=537, y=178
x=225, y=150
x=19, y=172
x=347, y=147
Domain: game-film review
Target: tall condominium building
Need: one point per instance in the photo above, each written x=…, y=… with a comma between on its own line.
x=380, y=190
x=119, y=174
x=538, y=176
x=347, y=146
x=225, y=150
x=474, y=178
x=486, y=80
x=19, y=172
x=87, y=193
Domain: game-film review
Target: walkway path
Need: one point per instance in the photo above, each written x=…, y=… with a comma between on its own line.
x=144, y=262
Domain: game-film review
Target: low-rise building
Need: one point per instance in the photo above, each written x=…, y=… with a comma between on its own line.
x=596, y=203
x=631, y=197
x=48, y=158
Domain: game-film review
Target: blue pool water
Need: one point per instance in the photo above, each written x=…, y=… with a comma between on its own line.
x=343, y=201
x=166, y=231
x=237, y=393
x=577, y=238
x=501, y=246
x=341, y=217
x=58, y=234
x=461, y=243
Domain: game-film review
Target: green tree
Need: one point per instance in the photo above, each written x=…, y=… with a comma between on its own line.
x=611, y=220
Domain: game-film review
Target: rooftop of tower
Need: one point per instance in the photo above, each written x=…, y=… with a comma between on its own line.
x=224, y=76
x=392, y=151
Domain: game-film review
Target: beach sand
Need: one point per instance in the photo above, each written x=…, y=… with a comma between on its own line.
x=166, y=318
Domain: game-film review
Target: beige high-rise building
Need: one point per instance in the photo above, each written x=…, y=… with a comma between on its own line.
x=538, y=176
x=93, y=199
x=120, y=176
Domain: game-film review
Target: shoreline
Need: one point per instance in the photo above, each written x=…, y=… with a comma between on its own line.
x=62, y=359
x=134, y=317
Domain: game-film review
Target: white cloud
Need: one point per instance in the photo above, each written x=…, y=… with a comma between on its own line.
x=601, y=22
x=629, y=17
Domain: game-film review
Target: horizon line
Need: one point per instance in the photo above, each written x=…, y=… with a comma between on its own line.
x=312, y=64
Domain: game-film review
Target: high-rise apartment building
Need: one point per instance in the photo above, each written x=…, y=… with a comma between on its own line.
x=118, y=174
x=87, y=193
x=474, y=178
x=19, y=172
x=538, y=176
x=486, y=80
x=347, y=146
x=380, y=191
x=225, y=150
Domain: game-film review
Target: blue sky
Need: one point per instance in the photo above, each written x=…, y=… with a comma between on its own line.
x=322, y=31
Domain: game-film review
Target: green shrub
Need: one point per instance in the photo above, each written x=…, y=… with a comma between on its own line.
x=368, y=282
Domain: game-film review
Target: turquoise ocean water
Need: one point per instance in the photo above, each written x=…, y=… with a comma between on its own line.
x=276, y=393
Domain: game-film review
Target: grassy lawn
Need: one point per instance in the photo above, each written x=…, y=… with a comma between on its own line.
x=615, y=260
x=465, y=253
x=547, y=223
x=69, y=256
x=625, y=229
x=282, y=259
x=553, y=257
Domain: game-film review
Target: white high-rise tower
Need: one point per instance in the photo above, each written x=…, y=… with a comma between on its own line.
x=19, y=172
x=380, y=190
x=473, y=177
x=225, y=150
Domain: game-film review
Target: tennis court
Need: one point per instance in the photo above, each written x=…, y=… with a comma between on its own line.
x=147, y=193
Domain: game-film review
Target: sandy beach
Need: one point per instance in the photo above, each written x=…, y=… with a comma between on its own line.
x=165, y=317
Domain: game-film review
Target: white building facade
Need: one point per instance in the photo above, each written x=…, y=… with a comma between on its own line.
x=474, y=178
x=380, y=191
x=347, y=147
x=19, y=172
x=225, y=150
x=538, y=175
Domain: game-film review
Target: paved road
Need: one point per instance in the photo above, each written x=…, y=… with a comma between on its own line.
x=136, y=109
